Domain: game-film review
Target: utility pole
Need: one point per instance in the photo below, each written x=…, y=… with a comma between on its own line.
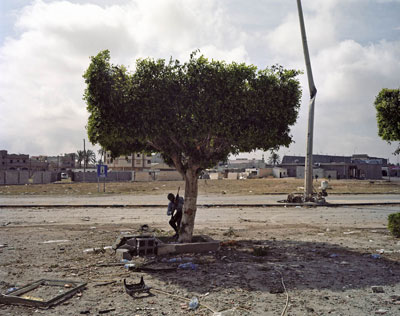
x=308, y=171
x=84, y=161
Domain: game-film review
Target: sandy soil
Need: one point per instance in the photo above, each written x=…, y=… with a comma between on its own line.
x=322, y=255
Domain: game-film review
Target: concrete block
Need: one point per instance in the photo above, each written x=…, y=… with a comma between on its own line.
x=200, y=244
x=120, y=253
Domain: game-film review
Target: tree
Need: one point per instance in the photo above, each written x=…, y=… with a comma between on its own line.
x=194, y=113
x=387, y=104
x=80, y=156
x=102, y=154
x=274, y=159
x=90, y=157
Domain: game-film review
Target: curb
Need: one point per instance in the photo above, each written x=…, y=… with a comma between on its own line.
x=199, y=206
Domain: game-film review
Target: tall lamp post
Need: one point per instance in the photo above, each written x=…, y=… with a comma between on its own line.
x=308, y=172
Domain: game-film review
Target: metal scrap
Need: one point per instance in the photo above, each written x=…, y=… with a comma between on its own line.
x=21, y=295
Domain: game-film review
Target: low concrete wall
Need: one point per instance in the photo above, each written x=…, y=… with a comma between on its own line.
x=169, y=176
x=44, y=177
x=142, y=176
x=88, y=176
x=117, y=176
x=233, y=175
x=216, y=176
x=14, y=177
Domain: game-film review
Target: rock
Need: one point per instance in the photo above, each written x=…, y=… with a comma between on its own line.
x=377, y=289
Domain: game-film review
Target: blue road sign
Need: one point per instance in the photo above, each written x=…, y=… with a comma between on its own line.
x=102, y=171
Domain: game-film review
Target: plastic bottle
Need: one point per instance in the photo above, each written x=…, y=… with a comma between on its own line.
x=188, y=266
x=194, y=303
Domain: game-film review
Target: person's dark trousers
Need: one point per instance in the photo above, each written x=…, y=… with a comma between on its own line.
x=172, y=222
x=175, y=221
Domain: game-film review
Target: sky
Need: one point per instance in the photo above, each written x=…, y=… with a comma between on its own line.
x=45, y=47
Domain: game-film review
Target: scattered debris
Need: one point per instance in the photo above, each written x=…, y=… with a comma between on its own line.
x=188, y=266
x=21, y=297
x=230, y=232
x=376, y=256
x=60, y=241
x=138, y=288
x=194, y=303
x=106, y=311
x=377, y=289
x=104, y=283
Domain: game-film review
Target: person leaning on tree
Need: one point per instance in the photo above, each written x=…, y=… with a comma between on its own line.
x=175, y=204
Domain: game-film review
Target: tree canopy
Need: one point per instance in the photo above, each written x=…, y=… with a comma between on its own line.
x=194, y=113
x=387, y=104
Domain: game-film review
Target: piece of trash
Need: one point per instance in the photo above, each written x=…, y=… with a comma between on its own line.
x=105, y=311
x=377, y=289
x=86, y=219
x=3, y=245
x=172, y=260
x=380, y=251
x=129, y=266
x=381, y=311
x=32, y=298
x=93, y=250
x=376, y=256
x=188, y=266
x=136, y=288
x=144, y=228
x=334, y=255
x=344, y=263
x=11, y=289
x=59, y=241
x=298, y=206
x=194, y=303
x=21, y=296
x=349, y=233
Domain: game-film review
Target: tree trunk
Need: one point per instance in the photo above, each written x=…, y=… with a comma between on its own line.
x=190, y=206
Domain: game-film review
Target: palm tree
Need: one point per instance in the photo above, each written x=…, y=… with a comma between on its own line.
x=80, y=156
x=274, y=159
x=102, y=154
x=90, y=157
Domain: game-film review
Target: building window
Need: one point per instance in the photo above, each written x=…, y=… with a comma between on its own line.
x=11, y=161
x=23, y=161
x=149, y=162
x=129, y=160
x=138, y=155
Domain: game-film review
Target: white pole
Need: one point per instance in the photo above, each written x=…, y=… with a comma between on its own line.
x=308, y=172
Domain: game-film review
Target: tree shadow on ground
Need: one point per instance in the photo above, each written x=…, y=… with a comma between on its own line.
x=259, y=266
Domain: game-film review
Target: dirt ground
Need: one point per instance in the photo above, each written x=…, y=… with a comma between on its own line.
x=327, y=261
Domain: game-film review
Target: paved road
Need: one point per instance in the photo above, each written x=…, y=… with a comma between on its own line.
x=109, y=200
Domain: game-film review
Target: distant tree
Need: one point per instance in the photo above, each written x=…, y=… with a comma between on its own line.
x=274, y=159
x=195, y=114
x=80, y=157
x=102, y=154
x=90, y=157
x=387, y=104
